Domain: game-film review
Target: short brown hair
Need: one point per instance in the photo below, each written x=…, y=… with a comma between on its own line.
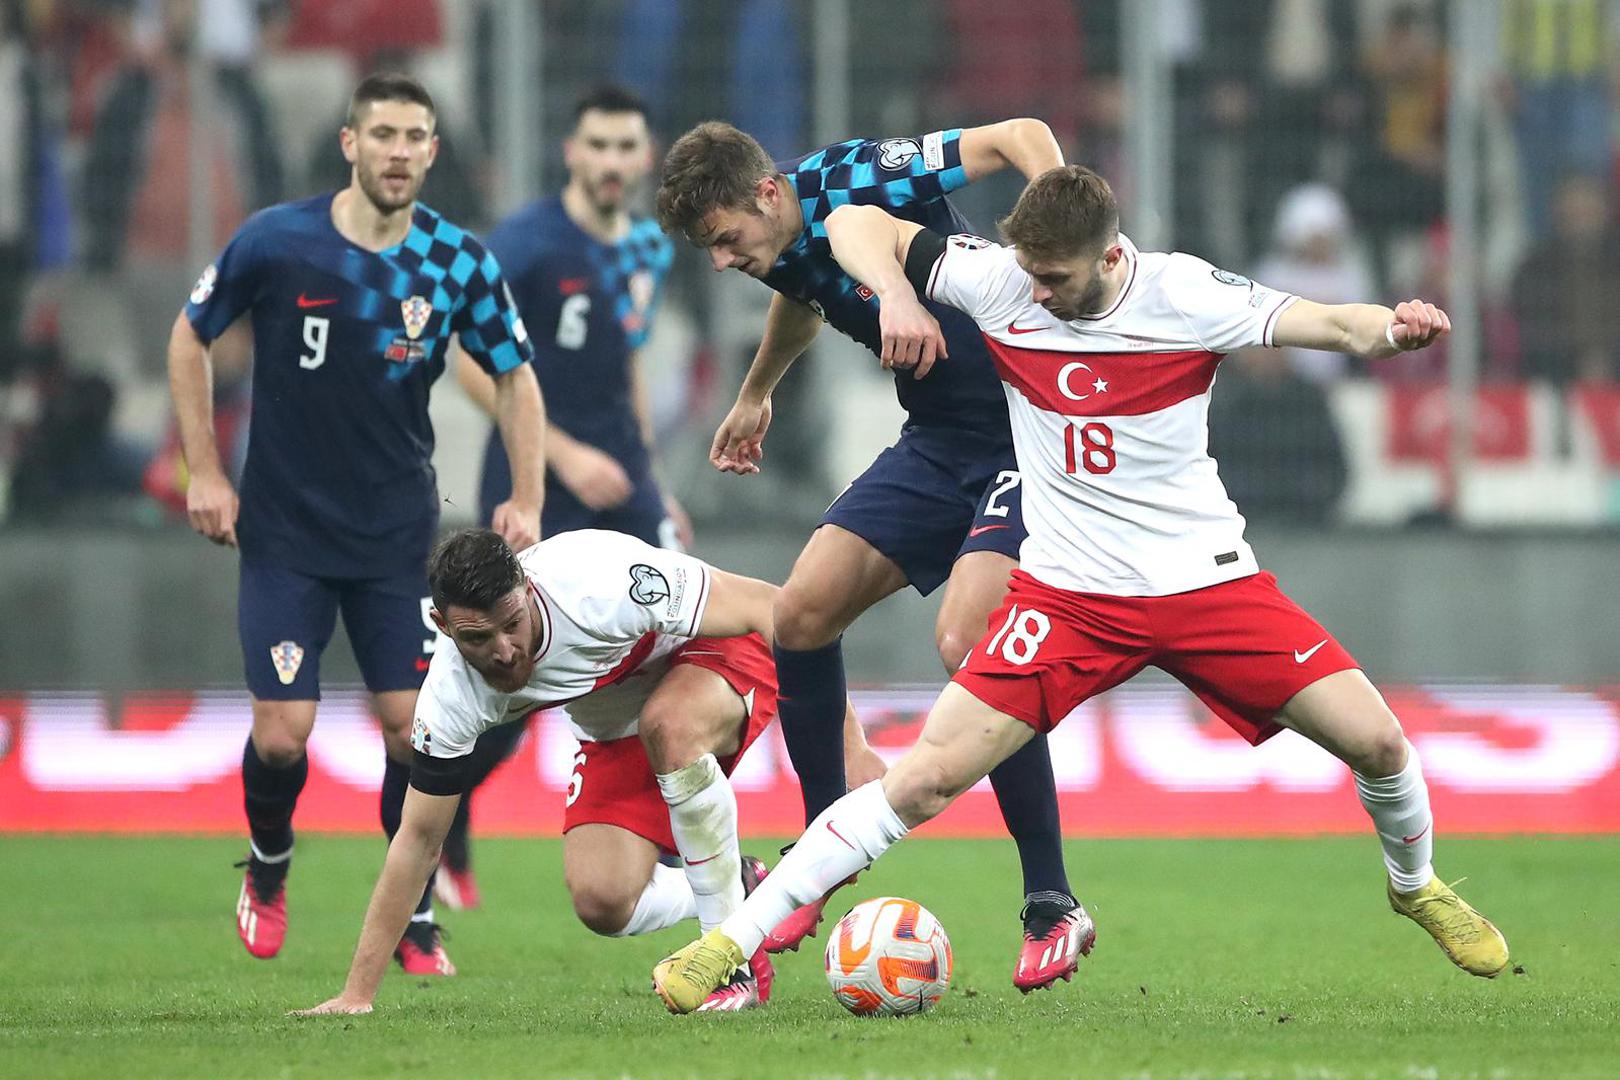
x=1063, y=212
x=712, y=167
x=389, y=86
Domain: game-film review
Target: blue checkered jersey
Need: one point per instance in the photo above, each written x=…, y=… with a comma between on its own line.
x=347, y=342
x=909, y=178
x=589, y=306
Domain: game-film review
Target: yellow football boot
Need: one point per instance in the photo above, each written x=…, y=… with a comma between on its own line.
x=685, y=979
x=1462, y=933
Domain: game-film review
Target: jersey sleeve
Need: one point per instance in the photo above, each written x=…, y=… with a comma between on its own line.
x=487, y=319
x=1223, y=311
x=447, y=721
x=624, y=587
x=229, y=285
x=972, y=275
x=897, y=172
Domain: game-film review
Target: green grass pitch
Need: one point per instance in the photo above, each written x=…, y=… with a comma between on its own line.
x=1215, y=959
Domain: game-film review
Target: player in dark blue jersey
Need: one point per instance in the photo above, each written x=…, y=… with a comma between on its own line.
x=354, y=297
x=940, y=506
x=587, y=277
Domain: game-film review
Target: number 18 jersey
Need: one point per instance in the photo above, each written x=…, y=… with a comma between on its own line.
x=1110, y=415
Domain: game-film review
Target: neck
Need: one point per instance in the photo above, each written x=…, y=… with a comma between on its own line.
x=360, y=222
x=608, y=226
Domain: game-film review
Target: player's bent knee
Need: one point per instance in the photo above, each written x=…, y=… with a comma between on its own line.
x=801, y=622
x=918, y=791
x=603, y=906
x=1384, y=754
x=278, y=747
x=954, y=647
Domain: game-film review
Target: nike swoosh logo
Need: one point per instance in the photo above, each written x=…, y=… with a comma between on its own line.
x=1013, y=328
x=309, y=302
x=840, y=836
x=700, y=862
x=985, y=529
x=1301, y=657
x=1419, y=836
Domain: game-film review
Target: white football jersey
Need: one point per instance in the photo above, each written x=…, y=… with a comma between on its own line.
x=612, y=609
x=1110, y=415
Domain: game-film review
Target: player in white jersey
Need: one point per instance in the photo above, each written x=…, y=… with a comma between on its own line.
x=1135, y=554
x=662, y=664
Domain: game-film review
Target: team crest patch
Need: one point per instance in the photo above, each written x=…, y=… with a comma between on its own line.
x=647, y=585
x=417, y=312
x=288, y=658
x=897, y=153
x=204, y=288
x=1226, y=277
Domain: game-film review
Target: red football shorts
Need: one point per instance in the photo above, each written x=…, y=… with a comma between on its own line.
x=1242, y=646
x=613, y=782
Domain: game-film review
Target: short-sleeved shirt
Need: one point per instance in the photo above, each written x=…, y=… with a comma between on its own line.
x=909, y=178
x=1110, y=414
x=589, y=306
x=339, y=479
x=612, y=609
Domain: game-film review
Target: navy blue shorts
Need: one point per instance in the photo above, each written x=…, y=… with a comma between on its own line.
x=285, y=620
x=932, y=497
x=642, y=515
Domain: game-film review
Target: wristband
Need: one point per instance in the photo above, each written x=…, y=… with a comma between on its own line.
x=1389, y=336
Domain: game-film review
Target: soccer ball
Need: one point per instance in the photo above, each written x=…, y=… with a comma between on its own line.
x=888, y=957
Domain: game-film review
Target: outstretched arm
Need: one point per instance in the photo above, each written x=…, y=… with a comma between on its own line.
x=739, y=441
x=412, y=856
x=1370, y=331
x=211, y=502
x=521, y=416
x=1025, y=144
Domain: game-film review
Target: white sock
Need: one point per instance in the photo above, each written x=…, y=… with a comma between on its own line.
x=1399, y=807
x=847, y=837
x=703, y=819
x=665, y=901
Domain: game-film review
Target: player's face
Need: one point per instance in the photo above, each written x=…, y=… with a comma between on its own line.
x=391, y=149
x=609, y=155
x=747, y=238
x=499, y=643
x=1072, y=287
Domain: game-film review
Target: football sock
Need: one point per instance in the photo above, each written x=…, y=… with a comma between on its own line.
x=1027, y=793
x=665, y=901
x=493, y=747
x=703, y=819
x=810, y=705
x=843, y=840
x=269, y=795
x=1399, y=807
x=391, y=805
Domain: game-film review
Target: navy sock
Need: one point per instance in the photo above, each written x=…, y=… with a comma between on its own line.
x=396, y=778
x=269, y=795
x=811, y=707
x=493, y=747
x=1027, y=793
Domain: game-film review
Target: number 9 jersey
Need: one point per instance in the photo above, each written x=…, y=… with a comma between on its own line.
x=339, y=480
x=1110, y=413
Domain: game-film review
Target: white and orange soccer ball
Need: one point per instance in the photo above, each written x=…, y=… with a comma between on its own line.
x=888, y=957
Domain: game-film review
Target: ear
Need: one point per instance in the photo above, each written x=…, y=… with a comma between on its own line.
x=767, y=193
x=1112, y=254
x=438, y=620
x=433, y=151
x=569, y=144
x=347, y=139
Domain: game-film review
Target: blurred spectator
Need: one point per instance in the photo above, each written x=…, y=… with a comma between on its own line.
x=1559, y=55
x=368, y=30
x=1274, y=437
x=1567, y=291
x=1399, y=190
x=1314, y=253
x=137, y=173
x=70, y=459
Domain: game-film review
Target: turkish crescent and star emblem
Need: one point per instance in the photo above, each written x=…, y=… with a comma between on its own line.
x=417, y=311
